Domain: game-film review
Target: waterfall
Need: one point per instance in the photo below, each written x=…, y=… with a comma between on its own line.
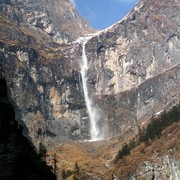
x=92, y=111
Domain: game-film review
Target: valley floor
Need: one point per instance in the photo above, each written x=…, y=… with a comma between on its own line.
x=95, y=160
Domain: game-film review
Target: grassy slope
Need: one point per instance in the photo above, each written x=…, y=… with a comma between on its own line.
x=169, y=140
x=97, y=157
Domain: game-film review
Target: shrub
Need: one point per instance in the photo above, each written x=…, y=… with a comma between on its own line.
x=152, y=131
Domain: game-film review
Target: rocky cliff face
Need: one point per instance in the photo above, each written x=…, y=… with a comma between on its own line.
x=56, y=20
x=166, y=168
x=133, y=67
x=44, y=84
x=47, y=94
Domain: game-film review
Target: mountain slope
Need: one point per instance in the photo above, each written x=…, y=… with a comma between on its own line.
x=38, y=76
x=159, y=159
x=56, y=19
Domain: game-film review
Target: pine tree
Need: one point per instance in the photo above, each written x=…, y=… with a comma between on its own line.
x=55, y=164
x=76, y=169
x=64, y=176
x=42, y=152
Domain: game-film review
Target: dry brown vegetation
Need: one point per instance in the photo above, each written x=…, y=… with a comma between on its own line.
x=98, y=157
x=168, y=142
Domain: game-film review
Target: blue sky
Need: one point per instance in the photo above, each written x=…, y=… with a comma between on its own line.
x=103, y=13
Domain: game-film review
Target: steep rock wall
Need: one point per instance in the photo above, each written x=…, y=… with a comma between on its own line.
x=134, y=65
x=128, y=110
x=142, y=45
x=44, y=85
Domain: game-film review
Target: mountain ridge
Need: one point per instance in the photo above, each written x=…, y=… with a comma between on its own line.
x=43, y=17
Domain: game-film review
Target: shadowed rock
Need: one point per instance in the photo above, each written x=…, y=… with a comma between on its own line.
x=18, y=159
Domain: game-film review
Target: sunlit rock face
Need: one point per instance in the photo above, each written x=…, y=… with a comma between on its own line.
x=56, y=20
x=140, y=46
x=129, y=109
x=133, y=67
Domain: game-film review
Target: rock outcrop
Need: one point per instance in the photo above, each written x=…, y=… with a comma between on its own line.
x=166, y=168
x=55, y=20
x=145, y=43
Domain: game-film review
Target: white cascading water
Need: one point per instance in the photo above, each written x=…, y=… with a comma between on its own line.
x=92, y=112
